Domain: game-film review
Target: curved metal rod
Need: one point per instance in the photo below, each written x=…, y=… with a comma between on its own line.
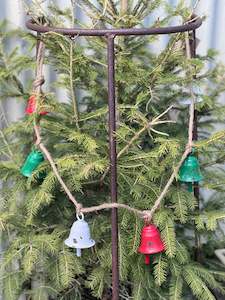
x=122, y=31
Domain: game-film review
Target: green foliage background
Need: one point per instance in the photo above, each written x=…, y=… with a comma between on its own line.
x=36, y=216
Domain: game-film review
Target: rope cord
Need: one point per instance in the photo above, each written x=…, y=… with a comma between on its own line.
x=146, y=214
x=38, y=82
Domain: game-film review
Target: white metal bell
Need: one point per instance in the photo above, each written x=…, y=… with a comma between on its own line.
x=80, y=237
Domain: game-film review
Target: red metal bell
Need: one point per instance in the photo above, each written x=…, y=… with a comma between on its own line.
x=151, y=242
x=32, y=106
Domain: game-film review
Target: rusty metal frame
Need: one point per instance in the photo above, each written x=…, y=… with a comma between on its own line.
x=110, y=35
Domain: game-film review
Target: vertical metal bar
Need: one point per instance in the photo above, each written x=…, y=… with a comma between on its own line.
x=195, y=138
x=113, y=161
x=193, y=54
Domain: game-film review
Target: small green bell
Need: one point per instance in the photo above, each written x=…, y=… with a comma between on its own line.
x=190, y=170
x=32, y=162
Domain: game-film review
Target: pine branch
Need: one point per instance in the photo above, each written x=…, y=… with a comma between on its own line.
x=176, y=286
x=197, y=286
x=12, y=77
x=160, y=269
x=148, y=125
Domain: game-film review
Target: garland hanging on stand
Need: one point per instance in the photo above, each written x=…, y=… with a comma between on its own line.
x=147, y=215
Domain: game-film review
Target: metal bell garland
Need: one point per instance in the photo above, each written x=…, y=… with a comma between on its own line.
x=151, y=242
x=32, y=106
x=80, y=237
x=31, y=163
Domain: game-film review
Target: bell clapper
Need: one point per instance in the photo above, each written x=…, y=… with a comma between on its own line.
x=190, y=187
x=78, y=251
x=147, y=259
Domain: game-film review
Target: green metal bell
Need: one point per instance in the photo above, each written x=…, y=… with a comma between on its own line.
x=190, y=170
x=32, y=162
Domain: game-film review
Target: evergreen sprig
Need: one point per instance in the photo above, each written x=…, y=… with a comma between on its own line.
x=35, y=215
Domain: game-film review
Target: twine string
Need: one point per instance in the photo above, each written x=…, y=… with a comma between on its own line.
x=54, y=169
x=38, y=82
x=39, y=78
x=147, y=215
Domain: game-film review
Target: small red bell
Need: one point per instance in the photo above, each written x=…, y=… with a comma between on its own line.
x=151, y=242
x=32, y=106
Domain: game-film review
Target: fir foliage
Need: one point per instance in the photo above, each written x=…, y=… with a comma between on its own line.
x=35, y=215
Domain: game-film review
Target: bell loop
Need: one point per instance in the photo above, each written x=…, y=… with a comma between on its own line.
x=147, y=220
x=80, y=216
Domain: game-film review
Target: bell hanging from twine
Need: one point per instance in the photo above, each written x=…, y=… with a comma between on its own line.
x=80, y=237
x=190, y=171
x=32, y=106
x=32, y=162
x=151, y=242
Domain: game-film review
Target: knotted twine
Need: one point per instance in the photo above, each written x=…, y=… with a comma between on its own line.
x=146, y=214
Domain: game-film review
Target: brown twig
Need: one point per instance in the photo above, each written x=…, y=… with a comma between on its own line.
x=136, y=136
